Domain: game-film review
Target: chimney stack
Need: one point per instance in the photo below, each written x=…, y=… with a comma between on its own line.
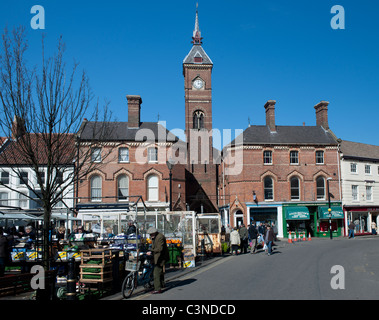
x=134, y=111
x=322, y=114
x=270, y=115
x=18, y=127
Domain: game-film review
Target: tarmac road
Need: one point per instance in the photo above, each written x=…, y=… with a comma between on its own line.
x=299, y=271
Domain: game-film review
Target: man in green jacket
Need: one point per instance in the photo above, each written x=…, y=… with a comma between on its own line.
x=161, y=256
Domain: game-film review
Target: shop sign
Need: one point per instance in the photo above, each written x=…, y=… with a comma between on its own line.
x=297, y=213
x=337, y=213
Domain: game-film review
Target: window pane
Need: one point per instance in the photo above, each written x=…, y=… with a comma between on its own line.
x=123, y=155
x=294, y=157
x=3, y=198
x=152, y=188
x=96, y=155
x=368, y=193
x=5, y=177
x=96, y=188
x=295, y=190
x=23, y=178
x=320, y=188
x=267, y=157
x=354, y=192
x=320, y=157
x=123, y=187
x=152, y=154
x=268, y=189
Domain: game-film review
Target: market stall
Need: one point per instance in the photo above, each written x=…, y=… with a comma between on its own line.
x=208, y=233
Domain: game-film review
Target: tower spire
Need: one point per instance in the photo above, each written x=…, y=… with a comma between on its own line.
x=196, y=38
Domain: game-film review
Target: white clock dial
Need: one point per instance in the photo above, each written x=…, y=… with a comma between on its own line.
x=198, y=84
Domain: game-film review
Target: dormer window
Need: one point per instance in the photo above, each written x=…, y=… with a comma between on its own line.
x=198, y=59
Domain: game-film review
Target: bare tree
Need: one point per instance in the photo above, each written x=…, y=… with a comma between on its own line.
x=41, y=114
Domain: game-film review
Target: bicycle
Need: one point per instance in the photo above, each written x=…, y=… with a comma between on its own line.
x=141, y=265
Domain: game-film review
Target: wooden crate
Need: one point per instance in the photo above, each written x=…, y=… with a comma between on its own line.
x=104, y=266
x=104, y=275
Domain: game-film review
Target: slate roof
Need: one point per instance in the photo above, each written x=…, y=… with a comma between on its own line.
x=197, y=50
x=119, y=131
x=287, y=135
x=356, y=150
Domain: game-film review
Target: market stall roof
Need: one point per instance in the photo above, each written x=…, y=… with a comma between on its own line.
x=297, y=213
x=337, y=213
x=63, y=216
x=15, y=216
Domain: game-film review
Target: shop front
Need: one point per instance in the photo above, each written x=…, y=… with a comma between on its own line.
x=335, y=216
x=362, y=217
x=269, y=214
x=297, y=220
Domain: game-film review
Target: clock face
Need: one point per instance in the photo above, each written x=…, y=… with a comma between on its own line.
x=198, y=84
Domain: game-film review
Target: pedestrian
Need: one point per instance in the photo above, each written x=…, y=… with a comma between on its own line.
x=253, y=235
x=244, y=236
x=351, y=229
x=160, y=253
x=4, y=250
x=373, y=228
x=235, y=241
x=131, y=228
x=269, y=238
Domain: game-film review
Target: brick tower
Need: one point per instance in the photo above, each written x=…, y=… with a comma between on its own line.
x=201, y=169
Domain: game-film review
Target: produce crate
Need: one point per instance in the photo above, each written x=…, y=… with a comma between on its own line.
x=96, y=266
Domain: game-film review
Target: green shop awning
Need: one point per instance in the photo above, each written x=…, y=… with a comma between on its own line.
x=297, y=213
x=337, y=213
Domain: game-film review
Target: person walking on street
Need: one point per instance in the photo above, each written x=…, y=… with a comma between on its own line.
x=253, y=235
x=269, y=238
x=244, y=234
x=373, y=228
x=235, y=241
x=160, y=253
x=351, y=229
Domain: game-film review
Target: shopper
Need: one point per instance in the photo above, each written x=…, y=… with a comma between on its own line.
x=253, y=235
x=373, y=228
x=4, y=250
x=269, y=238
x=351, y=229
x=131, y=228
x=235, y=241
x=161, y=256
x=244, y=236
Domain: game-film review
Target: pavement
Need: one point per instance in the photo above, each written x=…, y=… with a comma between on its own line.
x=171, y=275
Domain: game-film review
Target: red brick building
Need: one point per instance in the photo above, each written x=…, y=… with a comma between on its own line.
x=135, y=157
x=284, y=175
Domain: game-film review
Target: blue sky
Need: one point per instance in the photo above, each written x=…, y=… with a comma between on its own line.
x=261, y=50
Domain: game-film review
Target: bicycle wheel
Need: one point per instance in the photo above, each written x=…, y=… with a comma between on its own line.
x=128, y=285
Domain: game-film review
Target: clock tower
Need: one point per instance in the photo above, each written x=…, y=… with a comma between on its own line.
x=202, y=172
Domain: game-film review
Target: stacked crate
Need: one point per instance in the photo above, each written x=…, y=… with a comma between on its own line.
x=95, y=268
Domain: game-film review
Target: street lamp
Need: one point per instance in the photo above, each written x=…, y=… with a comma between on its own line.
x=329, y=209
x=170, y=165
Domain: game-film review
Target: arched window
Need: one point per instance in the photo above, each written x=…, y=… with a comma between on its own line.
x=198, y=120
x=152, y=188
x=295, y=188
x=96, y=188
x=123, y=187
x=320, y=184
x=268, y=188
